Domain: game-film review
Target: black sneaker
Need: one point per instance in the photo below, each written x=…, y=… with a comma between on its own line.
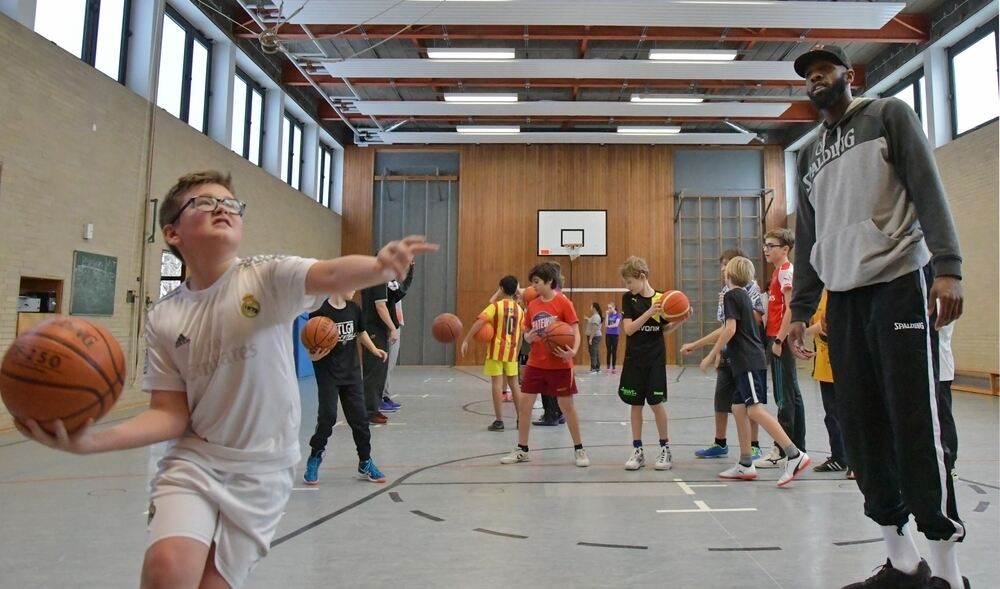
x=830, y=465
x=546, y=421
x=496, y=426
x=939, y=583
x=890, y=578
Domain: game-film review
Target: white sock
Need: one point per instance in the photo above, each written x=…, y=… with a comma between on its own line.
x=943, y=558
x=901, y=548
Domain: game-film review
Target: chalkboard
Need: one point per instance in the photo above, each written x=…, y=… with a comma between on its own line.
x=93, y=290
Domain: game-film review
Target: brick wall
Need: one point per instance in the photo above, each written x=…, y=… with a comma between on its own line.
x=73, y=150
x=969, y=171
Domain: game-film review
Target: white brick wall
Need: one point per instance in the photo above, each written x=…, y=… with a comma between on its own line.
x=73, y=146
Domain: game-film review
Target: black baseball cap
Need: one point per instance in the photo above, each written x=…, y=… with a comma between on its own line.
x=833, y=53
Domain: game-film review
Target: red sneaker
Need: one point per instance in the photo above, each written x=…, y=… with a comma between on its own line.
x=379, y=418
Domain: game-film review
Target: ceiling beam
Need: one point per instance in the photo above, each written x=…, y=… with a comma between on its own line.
x=797, y=112
x=578, y=137
x=903, y=28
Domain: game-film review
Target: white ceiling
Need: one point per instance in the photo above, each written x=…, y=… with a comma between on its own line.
x=395, y=137
x=556, y=108
x=652, y=13
x=563, y=68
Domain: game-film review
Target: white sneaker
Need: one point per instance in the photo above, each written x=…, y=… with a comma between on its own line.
x=666, y=460
x=637, y=460
x=581, y=458
x=538, y=403
x=793, y=467
x=772, y=460
x=740, y=472
x=518, y=455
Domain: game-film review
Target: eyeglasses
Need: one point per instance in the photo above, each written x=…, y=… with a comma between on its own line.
x=768, y=246
x=210, y=204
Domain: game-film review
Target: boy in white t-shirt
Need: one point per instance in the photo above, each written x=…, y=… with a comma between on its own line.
x=222, y=387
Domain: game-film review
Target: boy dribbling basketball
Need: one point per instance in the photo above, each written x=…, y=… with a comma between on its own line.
x=644, y=371
x=222, y=388
x=548, y=372
x=505, y=317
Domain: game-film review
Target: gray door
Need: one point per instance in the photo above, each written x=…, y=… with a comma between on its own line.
x=707, y=226
x=410, y=200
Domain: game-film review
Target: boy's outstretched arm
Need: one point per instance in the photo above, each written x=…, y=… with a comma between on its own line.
x=358, y=272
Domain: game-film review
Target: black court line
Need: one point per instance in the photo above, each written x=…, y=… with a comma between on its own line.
x=980, y=484
x=982, y=506
x=977, y=489
x=322, y=520
x=747, y=549
x=504, y=534
x=395, y=497
x=598, y=545
x=854, y=542
x=433, y=518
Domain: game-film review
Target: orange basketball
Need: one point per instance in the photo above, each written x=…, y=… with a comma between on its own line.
x=65, y=368
x=675, y=304
x=559, y=335
x=529, y=294
x=320, y=333
x=485, y=334
x=446, y=328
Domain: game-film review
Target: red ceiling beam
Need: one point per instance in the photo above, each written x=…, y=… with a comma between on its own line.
x=904, y=28
x=798, y=112
x=292, y=77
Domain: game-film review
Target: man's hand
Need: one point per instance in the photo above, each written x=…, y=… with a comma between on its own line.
x=395, y=259
x=945, y=298
x=796, y=340
x=78, y=443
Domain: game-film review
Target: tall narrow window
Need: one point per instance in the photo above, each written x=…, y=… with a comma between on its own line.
x=975, y=97
x=96, y=31
x=291, y=151
x=185, y=70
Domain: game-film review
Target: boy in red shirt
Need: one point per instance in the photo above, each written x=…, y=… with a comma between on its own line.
x=548, y=373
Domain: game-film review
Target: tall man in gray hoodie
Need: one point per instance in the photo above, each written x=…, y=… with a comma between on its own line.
x=874, y=226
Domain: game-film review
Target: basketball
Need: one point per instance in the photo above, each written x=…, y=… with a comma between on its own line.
x=529, y=294
x=675, y=304
x=446, y=328
x=320, y=333
x=64, y=368
x=485, y=334
x=559, y=335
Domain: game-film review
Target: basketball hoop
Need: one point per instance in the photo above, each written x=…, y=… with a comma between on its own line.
x=573, y=250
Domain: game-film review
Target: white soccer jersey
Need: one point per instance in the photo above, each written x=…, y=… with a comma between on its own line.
x=229, y=346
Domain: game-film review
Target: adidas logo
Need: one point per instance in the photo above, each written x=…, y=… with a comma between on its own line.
x=181, y=340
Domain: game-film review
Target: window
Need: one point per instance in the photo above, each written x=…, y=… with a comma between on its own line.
x=324, y=185
x=291, y=151
x=185, y=57
x=171, y=272
x=248, y=113
x=975, y=99
x=912, y=91
x=96, y=31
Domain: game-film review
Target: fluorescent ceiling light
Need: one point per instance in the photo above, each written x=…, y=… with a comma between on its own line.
x=480, y=98
x=459, y=53
x=724, y=2
x=487, y=130
x=692, y=54
x=649, y=130
x=666, y=99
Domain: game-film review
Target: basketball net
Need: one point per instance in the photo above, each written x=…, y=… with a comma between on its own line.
x=573, y=251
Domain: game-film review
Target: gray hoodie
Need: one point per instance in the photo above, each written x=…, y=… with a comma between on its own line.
x=871, y=205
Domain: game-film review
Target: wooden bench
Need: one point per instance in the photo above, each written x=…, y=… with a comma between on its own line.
x=984, y=383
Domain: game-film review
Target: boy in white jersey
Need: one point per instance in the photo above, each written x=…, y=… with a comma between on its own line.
x=222, y=388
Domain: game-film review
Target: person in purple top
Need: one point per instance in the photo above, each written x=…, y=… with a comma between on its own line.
x=611, y=323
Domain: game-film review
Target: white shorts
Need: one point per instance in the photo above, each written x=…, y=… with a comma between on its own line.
x=238, y=512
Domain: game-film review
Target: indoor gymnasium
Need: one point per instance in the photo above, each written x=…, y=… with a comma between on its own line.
x=499, y=293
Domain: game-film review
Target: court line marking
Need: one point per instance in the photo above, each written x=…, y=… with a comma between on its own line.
x=982, y=506
x=600, y=545
x=747, y=549
x=855, y=542
x=395, y=497
x=504, y=534
x=704, y=508
x=423, y=514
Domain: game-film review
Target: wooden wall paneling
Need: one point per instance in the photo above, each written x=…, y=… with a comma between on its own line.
x=359, y=168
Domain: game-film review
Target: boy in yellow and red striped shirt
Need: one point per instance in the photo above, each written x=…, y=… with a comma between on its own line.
x=506, y=317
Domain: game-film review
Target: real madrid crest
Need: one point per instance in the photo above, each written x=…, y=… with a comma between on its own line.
x=250, y=307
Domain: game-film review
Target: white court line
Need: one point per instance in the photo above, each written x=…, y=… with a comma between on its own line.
x=706, y=485
x=612, y=422
x=305, y=488
x=704, y=508
x=684, y=487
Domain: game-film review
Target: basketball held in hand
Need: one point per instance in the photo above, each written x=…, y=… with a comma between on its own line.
x=446, y=328
x=675, y=305
x=320, y=333
x=65, y=368
x=559, y=335
x=485, y=334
